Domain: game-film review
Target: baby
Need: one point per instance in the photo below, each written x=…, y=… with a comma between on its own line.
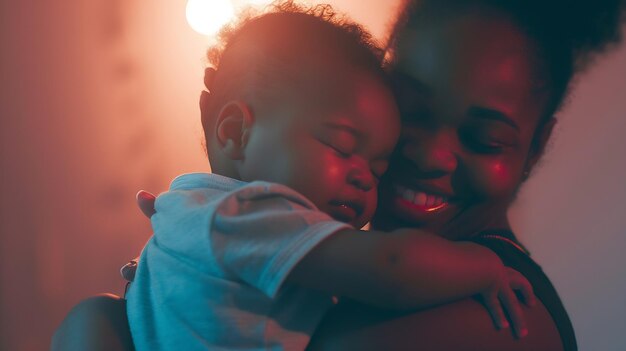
x=299, y=125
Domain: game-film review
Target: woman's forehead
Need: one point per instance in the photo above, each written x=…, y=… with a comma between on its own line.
x=474, y=39
x=473, y=60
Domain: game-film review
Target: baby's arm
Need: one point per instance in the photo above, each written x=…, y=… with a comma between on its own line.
x=408, y=269
x=405, y=269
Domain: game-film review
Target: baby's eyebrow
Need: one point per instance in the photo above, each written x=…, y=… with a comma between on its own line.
x=344, y=127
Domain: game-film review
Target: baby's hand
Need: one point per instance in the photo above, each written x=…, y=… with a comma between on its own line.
x=502, y=294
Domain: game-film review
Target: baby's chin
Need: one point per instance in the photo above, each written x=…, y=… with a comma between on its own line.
x=351, y=213
x=357, y=223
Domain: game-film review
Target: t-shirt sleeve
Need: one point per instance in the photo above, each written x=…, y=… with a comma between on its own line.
x=261, y=231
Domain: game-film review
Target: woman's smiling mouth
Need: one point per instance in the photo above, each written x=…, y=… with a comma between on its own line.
x=420, y=200
x=429, y=202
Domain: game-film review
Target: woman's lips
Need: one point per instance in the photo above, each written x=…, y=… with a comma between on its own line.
x=412, y=204
x=419, y=200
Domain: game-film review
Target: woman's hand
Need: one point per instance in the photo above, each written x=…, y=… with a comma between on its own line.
x=502, y=294
x=145, y=201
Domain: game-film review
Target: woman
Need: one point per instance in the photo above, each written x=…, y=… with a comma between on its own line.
x=478, y=84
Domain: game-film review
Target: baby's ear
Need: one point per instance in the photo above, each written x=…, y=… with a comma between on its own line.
x=232, y=128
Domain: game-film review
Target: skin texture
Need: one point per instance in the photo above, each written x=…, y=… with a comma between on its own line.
x=463, y=325
x=470, y=111
x=330, y=142
x=447, y=149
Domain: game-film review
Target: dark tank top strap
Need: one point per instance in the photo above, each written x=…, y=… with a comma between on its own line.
x=504, y=235
x=504, y=243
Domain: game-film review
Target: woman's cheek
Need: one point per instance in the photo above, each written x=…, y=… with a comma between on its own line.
x=495, y=179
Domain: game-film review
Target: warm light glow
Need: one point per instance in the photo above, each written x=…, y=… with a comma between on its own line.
x=258, y=2
x=208, y=16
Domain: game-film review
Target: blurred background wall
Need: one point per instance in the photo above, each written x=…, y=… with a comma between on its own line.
x=99, y=99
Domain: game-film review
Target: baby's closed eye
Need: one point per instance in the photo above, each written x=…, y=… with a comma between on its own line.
x=342, y=143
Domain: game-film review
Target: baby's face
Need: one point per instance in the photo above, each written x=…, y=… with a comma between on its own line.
x=329, y=140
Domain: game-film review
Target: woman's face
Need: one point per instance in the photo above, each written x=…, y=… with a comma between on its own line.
x=470, y=107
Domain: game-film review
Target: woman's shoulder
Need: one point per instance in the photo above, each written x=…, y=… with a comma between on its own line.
x=460, y=325
x=515, y=255
x=463, y=325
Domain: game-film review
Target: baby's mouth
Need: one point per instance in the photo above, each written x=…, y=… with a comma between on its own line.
x=346, y=211
x=421, y=200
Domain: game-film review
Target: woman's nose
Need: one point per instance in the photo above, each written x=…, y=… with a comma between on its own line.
x=433, y=154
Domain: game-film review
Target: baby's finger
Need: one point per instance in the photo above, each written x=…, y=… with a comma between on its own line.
x=517, y=281
x=495, y=310
x=514, y=310
x=521, y=284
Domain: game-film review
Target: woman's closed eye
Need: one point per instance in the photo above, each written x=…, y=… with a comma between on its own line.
x=486, y=140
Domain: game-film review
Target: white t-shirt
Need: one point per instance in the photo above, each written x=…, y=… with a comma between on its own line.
x=211, y=277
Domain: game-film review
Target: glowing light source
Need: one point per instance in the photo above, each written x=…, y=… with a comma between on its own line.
x=208, y=16
x=259, y=2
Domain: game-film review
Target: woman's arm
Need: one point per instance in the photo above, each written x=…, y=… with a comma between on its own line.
x=407, y=269
x=97, y=323
x=462, y=325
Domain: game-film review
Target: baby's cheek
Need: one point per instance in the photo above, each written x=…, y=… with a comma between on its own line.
x=319, y=179
x=334, y=174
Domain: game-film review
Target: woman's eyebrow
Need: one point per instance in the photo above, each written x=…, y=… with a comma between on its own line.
x=487, y=113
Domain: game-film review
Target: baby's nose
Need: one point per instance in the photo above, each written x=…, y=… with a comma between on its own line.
x=361, y=179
